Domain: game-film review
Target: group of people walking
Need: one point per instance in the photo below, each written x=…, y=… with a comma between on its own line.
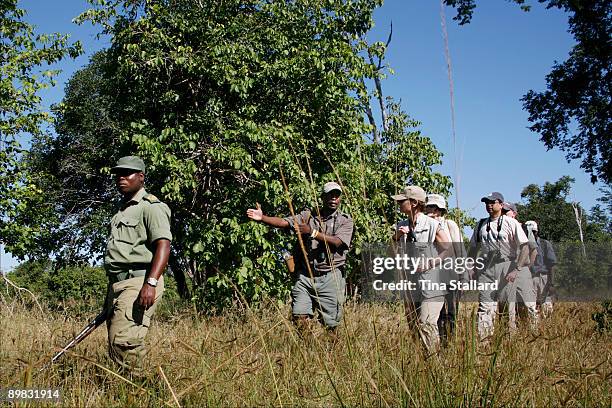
x=515, y=257
x=517, y=265
x=139, y=246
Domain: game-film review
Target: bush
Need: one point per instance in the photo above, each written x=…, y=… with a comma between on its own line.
x=79, y=288
x=603, y=318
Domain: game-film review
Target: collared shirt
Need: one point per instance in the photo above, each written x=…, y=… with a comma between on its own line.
x=336, y=224
x=137, y=224
x=502, y=233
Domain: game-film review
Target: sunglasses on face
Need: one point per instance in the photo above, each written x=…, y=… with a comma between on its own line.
x=124, y=172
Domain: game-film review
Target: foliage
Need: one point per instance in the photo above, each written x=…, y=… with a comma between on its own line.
x=465, y=9
x=576, y=276
x=22, y=77
x=548, y=206
x=603, y=317
x=78, y=196
x=229, y=104
x=582, y=278
x=78, y=289
x=573, y=114
x=601, y=214
x=57, y=286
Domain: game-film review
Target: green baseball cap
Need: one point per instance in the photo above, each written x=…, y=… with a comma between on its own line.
x=129, y=162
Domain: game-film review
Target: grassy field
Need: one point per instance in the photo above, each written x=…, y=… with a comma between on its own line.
x=256, y=357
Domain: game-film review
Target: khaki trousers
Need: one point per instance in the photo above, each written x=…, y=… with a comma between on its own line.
x=520, y=292
x=129, y=323
x=425, y=314
x=544, y=300
x=487, y=299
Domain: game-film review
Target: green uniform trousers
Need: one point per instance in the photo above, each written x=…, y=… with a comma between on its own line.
x=128, y=323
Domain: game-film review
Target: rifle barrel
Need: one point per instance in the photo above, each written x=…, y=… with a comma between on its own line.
x=87, y=330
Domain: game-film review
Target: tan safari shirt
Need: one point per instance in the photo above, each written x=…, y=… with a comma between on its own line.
x=336, y=224
x=137, y=224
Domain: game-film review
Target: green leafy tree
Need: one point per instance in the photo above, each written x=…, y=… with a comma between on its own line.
x=24, y=53
x=465, y=8
x=573, y=114
x=230, y=103
x=549, y=207
x=576, y=275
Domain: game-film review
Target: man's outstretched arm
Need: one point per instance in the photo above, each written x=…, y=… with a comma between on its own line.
x=257, y=215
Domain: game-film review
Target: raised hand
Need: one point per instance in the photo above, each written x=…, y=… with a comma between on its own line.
x=255, y=213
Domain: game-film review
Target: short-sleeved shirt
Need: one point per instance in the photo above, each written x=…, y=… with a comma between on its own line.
x=546, y=257
x=337, y=224
x=503, y=233
x=138, y=223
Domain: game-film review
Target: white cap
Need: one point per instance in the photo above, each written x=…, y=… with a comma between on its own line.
x=532, y=225
x=331, y=186
x=437, y=200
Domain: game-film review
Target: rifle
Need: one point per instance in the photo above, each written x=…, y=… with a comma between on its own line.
x=87, y=330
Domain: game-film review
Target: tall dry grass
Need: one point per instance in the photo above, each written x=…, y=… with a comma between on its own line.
x=255, y=358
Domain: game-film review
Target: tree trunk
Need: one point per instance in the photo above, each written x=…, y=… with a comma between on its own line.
x=178, y=271
x=578, y=213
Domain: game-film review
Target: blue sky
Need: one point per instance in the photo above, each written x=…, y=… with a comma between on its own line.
x=496, y=59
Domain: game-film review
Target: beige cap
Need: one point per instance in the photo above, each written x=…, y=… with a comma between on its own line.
x=331, y=186
x=411, y=192
x=437, y=200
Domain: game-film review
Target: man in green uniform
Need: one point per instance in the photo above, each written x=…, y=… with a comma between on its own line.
x=319, y=283
x=135, y=259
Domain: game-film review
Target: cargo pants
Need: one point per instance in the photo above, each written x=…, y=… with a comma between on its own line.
x=128, y=322
x=522, y=293
x=324, y=294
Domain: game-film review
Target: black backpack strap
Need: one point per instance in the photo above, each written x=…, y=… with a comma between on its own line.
x=478, y=239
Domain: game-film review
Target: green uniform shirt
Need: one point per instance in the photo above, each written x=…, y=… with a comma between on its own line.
x=136, y=225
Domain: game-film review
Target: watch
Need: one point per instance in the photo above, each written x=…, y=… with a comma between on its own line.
x=152, y=282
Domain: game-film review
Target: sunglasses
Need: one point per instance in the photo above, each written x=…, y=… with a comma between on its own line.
x=124, y=172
